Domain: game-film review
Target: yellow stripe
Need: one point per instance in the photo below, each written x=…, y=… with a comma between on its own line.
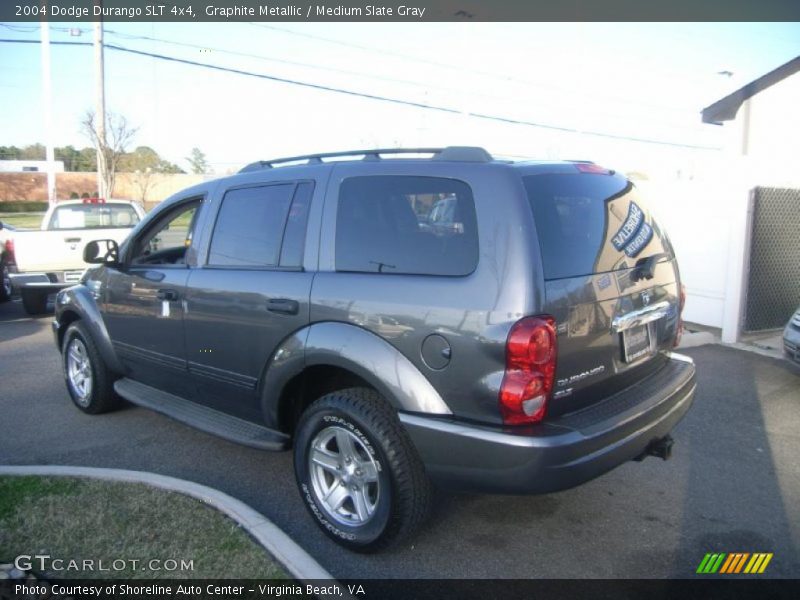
x=753, y=560
x=728, y=561
x=756, y=566
x=741, y=562
x=765, y=563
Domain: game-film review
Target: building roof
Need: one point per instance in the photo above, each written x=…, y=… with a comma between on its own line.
x=726, y=109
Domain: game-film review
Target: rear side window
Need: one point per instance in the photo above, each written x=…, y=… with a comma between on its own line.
x=589, y=223
x=249, y=227
x=406, y=225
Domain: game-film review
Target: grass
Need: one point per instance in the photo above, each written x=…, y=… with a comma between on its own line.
x=83, y=519
x=31, y=220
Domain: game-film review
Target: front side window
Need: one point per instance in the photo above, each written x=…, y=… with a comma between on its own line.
x=167, y=240
x=406, y=225
x=250, y=226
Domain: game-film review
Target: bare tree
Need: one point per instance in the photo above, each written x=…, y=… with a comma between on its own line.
x=143, y=181
x=111, y=147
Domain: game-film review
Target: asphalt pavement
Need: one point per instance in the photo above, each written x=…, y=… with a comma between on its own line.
x=733, y=484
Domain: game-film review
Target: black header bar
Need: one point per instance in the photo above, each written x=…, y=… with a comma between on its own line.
x=188, y=11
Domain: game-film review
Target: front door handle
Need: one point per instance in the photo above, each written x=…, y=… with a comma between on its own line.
x=283, y=306
x=168, y=295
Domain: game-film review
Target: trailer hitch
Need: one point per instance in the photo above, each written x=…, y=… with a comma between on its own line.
x=660, y=448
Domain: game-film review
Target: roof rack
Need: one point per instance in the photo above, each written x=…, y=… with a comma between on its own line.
x=451, y=153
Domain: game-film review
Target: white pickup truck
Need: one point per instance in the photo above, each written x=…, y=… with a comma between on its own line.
x=52, y=258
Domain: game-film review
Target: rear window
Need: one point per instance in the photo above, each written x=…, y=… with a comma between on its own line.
x=591, y=223
x=93, y=216
x=406, y=225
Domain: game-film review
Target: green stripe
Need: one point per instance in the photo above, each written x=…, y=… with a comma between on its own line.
x=718, y=564
x=701, y=568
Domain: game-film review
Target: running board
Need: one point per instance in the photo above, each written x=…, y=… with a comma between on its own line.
x=202, y=417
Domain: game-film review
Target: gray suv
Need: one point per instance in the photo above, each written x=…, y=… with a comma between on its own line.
x=398, y=318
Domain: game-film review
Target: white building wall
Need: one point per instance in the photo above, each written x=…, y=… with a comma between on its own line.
x=708, y=219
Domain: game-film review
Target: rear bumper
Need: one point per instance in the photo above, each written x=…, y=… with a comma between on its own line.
x=563, y=453
x=53, y=281
x=791, y=343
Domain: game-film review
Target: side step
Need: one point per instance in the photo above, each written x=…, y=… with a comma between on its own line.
x=202, y=417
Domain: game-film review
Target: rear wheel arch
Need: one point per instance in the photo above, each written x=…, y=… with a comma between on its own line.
x=333, y=356
x=309, y=385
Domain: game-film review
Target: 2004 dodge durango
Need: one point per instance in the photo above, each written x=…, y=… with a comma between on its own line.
x=396, y=319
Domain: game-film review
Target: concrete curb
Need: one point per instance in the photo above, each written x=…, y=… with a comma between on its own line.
x=293, y=558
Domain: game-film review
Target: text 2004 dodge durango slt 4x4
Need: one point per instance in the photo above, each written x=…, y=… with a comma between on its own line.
x=486, y=325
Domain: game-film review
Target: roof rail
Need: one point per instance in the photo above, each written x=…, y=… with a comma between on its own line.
x=452, y=153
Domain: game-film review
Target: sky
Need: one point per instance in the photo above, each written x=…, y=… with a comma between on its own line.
x=615, y=84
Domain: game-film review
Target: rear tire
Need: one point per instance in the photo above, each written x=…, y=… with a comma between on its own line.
x=89, y=381
x=5, y=288
x=34, y=301
x=358, y=471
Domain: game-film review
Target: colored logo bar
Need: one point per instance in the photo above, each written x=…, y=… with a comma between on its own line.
x=734, y=562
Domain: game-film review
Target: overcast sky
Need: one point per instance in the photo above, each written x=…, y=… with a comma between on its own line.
x=643, y=81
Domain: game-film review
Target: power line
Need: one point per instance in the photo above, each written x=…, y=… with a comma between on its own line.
x=368, y=96
x=507, y=79
x=458, y=68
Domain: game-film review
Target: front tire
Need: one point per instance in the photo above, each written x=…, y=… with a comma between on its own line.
x=89, y=381
x=6, y=288
x=34, y=301
x=358, y=471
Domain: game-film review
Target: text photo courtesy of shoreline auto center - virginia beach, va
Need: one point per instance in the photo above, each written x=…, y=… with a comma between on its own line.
x=449, y=299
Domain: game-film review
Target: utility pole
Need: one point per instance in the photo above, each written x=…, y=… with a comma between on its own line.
x=48, y=113
x=100, y=107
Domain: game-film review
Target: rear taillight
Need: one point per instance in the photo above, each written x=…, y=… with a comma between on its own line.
x=530, y=370
x=10, y=258
x=584, y=167
x=681, y=303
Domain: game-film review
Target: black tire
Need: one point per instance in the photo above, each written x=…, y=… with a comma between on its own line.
x=5, y=287
x=403, y=493
x=100, y=396
x=34, y=301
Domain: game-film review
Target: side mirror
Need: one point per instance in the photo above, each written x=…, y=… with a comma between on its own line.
x=101, y=252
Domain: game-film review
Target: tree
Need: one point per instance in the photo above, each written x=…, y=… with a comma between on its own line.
x=197, y=160
x=33, y=152
x=110, y=144
x=144, y=157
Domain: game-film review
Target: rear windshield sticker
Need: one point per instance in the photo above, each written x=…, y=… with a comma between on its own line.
x=629, y=228
x=640, y=241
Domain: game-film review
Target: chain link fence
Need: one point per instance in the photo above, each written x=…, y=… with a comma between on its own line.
x=773, y=288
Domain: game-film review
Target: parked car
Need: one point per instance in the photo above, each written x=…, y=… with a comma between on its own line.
x=51, y=259
x=791, y=337
x=6, y=259
x=524, y=347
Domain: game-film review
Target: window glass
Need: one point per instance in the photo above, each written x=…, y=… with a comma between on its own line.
x=166, y=242
x=403, y=224
x=249, y=227
x=294, y=239
x=591, y=223
x=93, y=216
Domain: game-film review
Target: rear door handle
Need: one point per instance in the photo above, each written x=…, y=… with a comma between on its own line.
x=283, y=306
x=168, y=295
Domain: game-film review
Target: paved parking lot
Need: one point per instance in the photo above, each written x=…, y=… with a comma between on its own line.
x=732, y=486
